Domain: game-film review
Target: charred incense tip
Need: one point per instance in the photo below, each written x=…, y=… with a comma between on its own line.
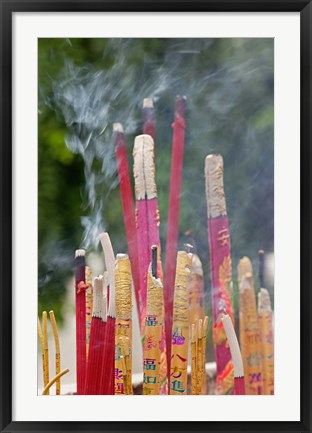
x=216, y=205
x=109, y=257
x=117, y=127
x=144, y=167
x=264, y=301
x=261, y=267
x=197, y=267
x=154, y=261
x=98, y=298
x=80, y=253
x=122, y=256
x=188, y=248
x=234, y=346
x=148, y=103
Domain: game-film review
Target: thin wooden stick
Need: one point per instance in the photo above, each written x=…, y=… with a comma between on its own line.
x=57, y=351
x=45, y=347
x=200, y=365
x=40, y=334
x=204, y=341
x=46, y=390
x=194, y=359
x=173, y=218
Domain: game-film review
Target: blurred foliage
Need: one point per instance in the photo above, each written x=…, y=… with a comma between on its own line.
x=229, y=85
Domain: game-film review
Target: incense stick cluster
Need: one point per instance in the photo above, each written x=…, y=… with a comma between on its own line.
x=170, y=306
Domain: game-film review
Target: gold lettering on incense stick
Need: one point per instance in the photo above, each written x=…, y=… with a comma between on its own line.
x=144, y=168
x=215, y=188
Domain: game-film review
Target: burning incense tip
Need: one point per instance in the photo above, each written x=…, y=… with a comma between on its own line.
x=122, y=256
x=117, y=127
x=144, y=167
x=154, y=261
x=264, y=302
x=188, y=248
x=216, y=204
x=148, y=103
x=80, y=253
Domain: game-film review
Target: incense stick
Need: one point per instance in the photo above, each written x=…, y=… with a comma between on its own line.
x=123, y=321
x=45, y=348
x=173, y=217
x=148, y=117
x=40, y=335
x=127, y=206
x=180, y=325
x=57, y=351
x=107, y=375
x=220, y=268
x=249, y=329
x=89, y=307
x=265, y=319
x=239, y=381
x=46, y=390
x=194, y=359
x=80, y=287
x=197, y=295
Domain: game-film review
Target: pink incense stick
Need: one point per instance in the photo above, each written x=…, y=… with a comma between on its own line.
x=239, y=380
x=220, y=268
x=127, y=205
x=80, y=290
x=173, y=217
x=148, y=118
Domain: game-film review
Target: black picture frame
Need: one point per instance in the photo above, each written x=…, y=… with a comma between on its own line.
x=7, y=9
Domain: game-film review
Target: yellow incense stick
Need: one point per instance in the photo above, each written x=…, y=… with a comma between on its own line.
x=46, y=390
x=89, y=306
x=57, y=351
x=123, y=296
x=194, y=356
x=199, y=357
x=45, y=348
x=249, y=329
x=197, y=307
x=40, y=334
x=180, y=327
x=153, y=335
x=265, y=318
x=204, y=341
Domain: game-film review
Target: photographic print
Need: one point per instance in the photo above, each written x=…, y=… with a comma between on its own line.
x=156, y=216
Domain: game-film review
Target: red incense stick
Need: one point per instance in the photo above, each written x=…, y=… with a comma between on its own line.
x=173, y=217
x=239, y=380
x=80, y=288
x=148, y=118
x=127, y=205
x=108, y=362
x=97, y=335
x=220, y=267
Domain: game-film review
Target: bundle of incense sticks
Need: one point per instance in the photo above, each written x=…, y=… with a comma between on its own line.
x=153, y=332
x=107, y=374
x=265, y=320
x=198, y=354
x=180, y=325
x=80, y=290
x=197, y=295
x=173, y=216
x=148, y=117
x=220, y=268
x=239, y=380
x=89, y=307
x=123, y=325
x=127, y=205
x=97, y=335
x=249, y=329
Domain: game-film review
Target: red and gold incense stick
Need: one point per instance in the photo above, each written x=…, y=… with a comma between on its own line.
x=127, y=205
x=108, y=362
x=80, y=288
x=265, y=320
x=89, y=307
x=249, y=329
x=220, y=268
x=123, y=323
x=180, y=325
x=148, y=118
x=239, y=380
x=173, y=216
x=97, y=333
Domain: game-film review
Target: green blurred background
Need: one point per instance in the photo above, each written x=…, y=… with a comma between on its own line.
x=87, y=84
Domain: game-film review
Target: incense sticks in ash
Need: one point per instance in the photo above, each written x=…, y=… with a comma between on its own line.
x=220, y=268
x=249, y=329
